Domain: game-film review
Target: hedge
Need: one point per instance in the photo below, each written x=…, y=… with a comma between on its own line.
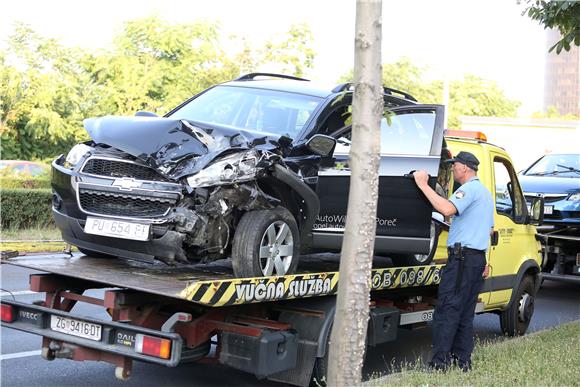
x=25, y=182
x=26, y=208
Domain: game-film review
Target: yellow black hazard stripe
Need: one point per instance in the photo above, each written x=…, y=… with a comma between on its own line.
x=239, y=291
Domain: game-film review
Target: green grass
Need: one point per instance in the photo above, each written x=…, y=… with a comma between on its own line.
x=545, y=358
x=32, y=240
x=31, y=234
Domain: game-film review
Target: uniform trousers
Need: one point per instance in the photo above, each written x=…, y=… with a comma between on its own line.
x=454, y=312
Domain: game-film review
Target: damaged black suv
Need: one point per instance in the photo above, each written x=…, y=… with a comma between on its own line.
x=255, y=169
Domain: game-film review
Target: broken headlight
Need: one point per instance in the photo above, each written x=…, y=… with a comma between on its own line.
x=235, y=168
x=75, y=155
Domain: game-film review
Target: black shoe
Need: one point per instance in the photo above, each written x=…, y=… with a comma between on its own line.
x=464, y=366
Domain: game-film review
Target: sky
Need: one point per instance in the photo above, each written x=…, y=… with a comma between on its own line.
x=488, y=38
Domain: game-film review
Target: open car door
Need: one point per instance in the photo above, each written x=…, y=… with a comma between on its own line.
x=411, y=139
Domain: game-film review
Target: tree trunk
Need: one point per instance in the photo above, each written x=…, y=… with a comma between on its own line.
x=348, y=338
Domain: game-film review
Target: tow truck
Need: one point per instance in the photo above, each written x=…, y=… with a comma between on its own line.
x=277, y=327
x=560, y=253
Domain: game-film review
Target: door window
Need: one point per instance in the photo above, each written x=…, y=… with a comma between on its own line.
x=509, y=200
x=408, y=133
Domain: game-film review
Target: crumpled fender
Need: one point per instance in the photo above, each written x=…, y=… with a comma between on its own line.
x=308, y=195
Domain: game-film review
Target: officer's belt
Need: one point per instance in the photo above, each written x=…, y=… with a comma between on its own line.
x=465, y=250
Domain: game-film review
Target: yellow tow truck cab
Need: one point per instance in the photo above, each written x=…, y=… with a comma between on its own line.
x=514, y=255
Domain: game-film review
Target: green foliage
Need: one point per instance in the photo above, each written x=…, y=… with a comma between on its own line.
x=471, y=95
x=552, y=112
x=563, y=15
x=154, y=65
x=42, y=182
x=24, y=208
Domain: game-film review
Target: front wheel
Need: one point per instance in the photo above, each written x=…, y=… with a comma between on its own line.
x=266, y=243
x=515, y=320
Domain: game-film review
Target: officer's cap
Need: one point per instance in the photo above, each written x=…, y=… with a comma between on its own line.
x=465, y=158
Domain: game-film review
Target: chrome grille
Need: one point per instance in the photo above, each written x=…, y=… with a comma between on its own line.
x=547, y=198
x=121, y=204
x=113, y=168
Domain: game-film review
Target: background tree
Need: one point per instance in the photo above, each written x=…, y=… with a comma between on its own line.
x=563, y=15
x=348, y=337
x=469, y=96
x=48, y=89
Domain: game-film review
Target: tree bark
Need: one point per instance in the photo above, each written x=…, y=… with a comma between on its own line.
x=348, y=338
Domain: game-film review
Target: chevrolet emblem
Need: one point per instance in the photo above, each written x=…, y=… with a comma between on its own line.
x=126, y=183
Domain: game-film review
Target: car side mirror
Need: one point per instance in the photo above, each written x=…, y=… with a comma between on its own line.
x=536, y=215
x=142, y=113
x=321, y=145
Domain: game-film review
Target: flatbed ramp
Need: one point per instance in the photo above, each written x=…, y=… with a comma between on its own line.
x=214, y=284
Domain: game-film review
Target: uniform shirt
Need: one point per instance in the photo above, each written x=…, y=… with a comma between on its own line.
x=473, y=221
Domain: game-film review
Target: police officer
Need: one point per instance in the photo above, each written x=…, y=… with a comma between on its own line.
x=471, y=206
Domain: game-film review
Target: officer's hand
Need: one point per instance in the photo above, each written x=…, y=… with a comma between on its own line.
x=485, y=271
x=421, y=178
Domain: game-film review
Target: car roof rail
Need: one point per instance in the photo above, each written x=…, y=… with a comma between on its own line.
x=387, y=90
x=252, y=76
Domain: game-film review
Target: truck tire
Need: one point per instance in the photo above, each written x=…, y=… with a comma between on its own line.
x=266, y=243
x=515, y=320
x=420, y=259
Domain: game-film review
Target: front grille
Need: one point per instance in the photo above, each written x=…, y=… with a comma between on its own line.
x=126, y=205
x=113, y=168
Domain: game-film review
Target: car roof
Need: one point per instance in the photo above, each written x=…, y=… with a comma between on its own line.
x=300, y=87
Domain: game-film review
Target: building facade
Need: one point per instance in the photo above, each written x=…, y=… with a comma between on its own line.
x=562, y=77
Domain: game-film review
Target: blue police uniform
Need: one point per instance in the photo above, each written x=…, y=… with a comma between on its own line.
x=461, y=278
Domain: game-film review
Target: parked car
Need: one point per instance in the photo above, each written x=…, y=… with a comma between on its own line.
x=247, y=169
x=22, y=168
x=557, y=178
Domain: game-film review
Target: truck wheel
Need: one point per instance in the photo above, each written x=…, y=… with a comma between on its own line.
x=266, y=243
x=421, y=259
x=514, y=321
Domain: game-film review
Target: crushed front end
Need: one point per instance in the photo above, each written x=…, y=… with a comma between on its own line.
x=163, y=190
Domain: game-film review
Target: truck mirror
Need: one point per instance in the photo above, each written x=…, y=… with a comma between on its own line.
x=536, y=215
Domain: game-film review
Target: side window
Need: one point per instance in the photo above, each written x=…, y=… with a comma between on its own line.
x=509, y=200
x=343, y=142
x=408, y=133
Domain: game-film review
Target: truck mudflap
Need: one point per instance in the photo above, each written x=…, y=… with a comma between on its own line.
x=61, y=329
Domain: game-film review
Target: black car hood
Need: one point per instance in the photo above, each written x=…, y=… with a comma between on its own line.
x=175, y=147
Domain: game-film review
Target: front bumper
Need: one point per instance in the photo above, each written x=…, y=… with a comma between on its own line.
x=70, y=218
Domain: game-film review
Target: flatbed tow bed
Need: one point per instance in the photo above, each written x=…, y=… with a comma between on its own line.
x=273, y=327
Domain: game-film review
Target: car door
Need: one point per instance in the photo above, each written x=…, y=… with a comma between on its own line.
x=411, y=139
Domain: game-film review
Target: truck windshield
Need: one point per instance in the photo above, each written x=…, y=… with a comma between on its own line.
x=251, y=109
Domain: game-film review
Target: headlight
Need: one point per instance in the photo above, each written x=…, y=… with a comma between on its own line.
x=574, y=197
x=230, y=169
x=75, y=155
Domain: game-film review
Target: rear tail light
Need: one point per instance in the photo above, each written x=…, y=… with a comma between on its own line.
x=8, y=313
x=578, y=259
x=153, y=346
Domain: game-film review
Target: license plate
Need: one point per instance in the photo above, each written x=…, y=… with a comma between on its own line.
x=548, y=210
x=117, y=229
x=76, y=328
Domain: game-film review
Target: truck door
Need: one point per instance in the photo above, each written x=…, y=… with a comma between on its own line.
x=410, y=140
x=510, y=216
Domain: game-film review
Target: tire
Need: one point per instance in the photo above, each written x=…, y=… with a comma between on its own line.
x=421, y=259
x=319, y=374
x=256, y=252
x=515, y=320
x=95, y=254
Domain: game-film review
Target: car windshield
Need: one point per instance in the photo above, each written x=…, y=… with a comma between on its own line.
x=556, y=165
x=251, y=109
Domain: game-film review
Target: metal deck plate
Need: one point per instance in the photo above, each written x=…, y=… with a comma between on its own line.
x=214, y=284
